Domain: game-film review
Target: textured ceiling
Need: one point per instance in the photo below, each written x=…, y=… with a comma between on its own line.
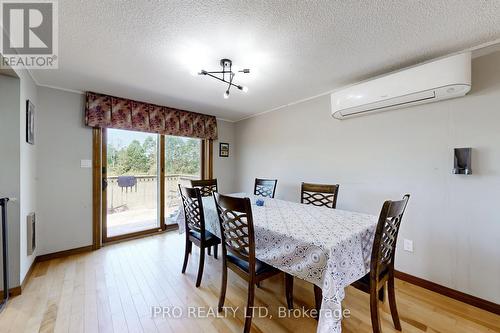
x=145, y=50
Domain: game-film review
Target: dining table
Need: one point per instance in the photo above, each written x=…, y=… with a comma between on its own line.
x=330, y=248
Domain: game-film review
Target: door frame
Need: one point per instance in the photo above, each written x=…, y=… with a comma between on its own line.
x=99, y=194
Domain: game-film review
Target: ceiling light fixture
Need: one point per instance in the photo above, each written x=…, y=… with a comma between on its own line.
x=228, y=73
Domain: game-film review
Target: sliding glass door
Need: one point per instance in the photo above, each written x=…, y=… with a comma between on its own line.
x=132, y=182
x=141, y=173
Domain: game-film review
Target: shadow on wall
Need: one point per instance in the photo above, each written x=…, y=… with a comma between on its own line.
x=488, y=70
x=481, y=157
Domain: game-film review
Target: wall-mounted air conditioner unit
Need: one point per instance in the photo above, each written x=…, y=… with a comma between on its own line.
x=430, y=82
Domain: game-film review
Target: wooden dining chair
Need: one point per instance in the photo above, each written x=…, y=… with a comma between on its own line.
x=324, y=196
x=382, y=261
x=207, y=186
x=238, y=250
x=196, y=233
x=265, y=187
x=319, y=194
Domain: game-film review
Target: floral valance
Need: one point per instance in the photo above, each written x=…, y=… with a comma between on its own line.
x=114, y=112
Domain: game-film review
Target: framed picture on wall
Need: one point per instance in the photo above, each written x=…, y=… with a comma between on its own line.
x=30, y=122
x=223, y=149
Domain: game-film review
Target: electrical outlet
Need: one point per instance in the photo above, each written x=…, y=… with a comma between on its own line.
x=408, y=245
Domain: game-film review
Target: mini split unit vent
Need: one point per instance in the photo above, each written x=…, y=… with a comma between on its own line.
x=430, y=82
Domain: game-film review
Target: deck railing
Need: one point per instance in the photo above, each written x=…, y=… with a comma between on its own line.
x=143, y=195
x=147, y=178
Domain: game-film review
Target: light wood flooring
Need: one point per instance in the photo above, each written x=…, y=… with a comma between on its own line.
x=113, y=289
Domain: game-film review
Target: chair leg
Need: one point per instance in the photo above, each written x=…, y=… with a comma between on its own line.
x=200, y=267
x=187, y=251
x=318, y=299
x=216, y=250
x=392, y=303
x=289, y=290
x=374, y=309
x=249, y=308
x=209, y=250
x=223, y=287
x=381, y=294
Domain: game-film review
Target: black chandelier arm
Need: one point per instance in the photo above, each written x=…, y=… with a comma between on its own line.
x=246, y=71
x=218, y=78
x=230, y=73
x=231, y=76
x=216, y=72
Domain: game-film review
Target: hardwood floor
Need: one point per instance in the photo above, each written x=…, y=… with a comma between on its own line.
x=113, y=290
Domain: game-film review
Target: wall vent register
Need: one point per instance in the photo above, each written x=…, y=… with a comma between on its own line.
x=31, y=233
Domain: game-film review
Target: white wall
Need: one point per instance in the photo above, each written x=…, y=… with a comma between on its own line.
x=18, y=166
x=452, y=219
x=10, y=168
x=224, y=167
x=64, y=189
x=28, y=165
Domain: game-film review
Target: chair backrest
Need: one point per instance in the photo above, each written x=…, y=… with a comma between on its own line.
x=193, y=210
x=386, y=235
x=236, y=225
x=319, y=194
x=206, y=186
x=265, y=187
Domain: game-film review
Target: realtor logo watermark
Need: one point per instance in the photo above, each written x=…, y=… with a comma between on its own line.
x=30, y=34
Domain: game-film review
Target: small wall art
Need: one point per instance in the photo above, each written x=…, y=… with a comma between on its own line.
x=223, y=149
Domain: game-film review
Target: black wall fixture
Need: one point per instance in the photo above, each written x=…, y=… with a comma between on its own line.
x=462, y=164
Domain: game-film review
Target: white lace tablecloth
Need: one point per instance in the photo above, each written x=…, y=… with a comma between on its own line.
x=328, y=247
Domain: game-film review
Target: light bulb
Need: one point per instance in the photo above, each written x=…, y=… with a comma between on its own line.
x=245, y=89
x=226, y=94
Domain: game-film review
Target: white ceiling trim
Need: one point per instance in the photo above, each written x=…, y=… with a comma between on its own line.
x=61, y=88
